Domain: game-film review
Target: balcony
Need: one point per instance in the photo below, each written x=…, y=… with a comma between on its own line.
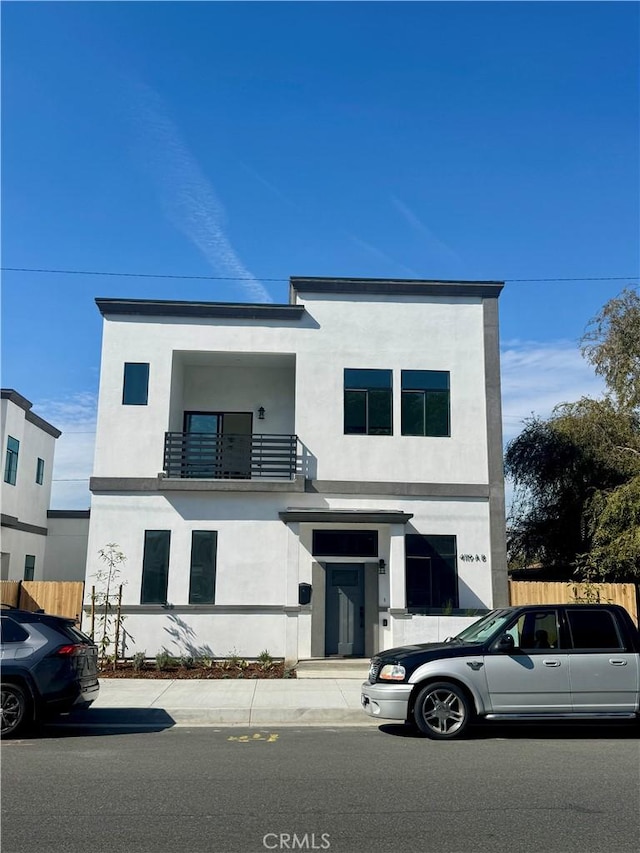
x=224, y=456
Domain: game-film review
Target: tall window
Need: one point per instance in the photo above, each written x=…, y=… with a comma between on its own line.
x=202, y=581
x=155, y=566
x=11, y=460
x=425, y=402
x=40, y=471
x=431, y=576
x=135, y=389
x=368, y=402
x=29, y=567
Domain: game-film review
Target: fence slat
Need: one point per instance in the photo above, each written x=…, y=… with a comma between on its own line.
x=61, y=598
x=550, y=592
x=10, y=592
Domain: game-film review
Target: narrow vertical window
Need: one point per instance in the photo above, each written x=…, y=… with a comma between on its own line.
x=29, y=567
x=11, y=460
x=202, y=578
x=425, y=403
x=40, y=471
x=135, y=389
x=155, y=566
x=368, y=402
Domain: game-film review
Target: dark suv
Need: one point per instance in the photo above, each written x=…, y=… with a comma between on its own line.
x=48, y=667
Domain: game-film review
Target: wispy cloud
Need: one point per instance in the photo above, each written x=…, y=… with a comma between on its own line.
x=188, y=197
x=379, y=255
x=439, y=251
x=73, y=461
x=537, y=376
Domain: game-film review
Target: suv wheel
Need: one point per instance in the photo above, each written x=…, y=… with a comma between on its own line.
x=14, y=709
x=442, y=710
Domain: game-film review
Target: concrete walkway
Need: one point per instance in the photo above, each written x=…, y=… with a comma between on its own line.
x=253, y=702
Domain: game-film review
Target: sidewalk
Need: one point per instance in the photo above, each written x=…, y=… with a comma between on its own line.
x=252, y=702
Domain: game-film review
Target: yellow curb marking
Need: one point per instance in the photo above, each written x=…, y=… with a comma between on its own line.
x=254, y=738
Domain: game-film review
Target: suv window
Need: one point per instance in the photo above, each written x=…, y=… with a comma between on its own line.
x=11, y=632
x=593, y=629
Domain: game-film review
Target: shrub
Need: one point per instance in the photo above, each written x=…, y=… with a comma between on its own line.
x=138, y=661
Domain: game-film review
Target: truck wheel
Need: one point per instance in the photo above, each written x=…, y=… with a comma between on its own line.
x=14, y=709
x=442, y=710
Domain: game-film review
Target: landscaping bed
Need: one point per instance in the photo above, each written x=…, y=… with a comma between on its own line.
x=195, y=669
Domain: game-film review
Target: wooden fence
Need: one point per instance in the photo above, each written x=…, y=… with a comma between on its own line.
x=544, y=592
x=62, y=598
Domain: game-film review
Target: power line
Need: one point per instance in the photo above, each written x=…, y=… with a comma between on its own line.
x=260, y=278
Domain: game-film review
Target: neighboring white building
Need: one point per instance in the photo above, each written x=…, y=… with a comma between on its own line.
x=28, y=444
x=318, y=478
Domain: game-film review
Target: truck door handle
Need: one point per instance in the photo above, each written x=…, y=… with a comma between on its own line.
x=551, y=662
x=617, y=662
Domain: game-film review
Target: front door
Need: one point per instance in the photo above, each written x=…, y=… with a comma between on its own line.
x=344, y=608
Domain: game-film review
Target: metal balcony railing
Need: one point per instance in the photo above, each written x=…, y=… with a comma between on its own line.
x=211, y=456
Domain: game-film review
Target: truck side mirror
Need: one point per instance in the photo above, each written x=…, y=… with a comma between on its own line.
x=505, y=643
x=304, y=593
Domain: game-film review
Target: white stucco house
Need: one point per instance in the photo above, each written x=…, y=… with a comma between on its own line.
x=318, y=478
x=28, y=444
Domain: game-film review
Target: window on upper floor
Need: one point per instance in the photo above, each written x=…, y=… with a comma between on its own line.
x=135, y=388
x=155, y=566
x=29, y=567
x=11, y=460
x=368, y=403
x=425, y=403
x=40, y=471
x=431, y=573
x=202, y=578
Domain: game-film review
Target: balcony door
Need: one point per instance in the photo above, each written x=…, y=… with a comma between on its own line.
x=218, y=444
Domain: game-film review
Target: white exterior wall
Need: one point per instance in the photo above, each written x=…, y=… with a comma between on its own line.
x=260, y=564
x=17, y=544
x=66, y=553
x=27, y=501
x=351, y=333
x=295, y=370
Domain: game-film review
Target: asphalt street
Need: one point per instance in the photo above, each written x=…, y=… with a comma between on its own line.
x=347, y=790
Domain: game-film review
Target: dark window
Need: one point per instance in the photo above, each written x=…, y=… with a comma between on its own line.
x=593, y=629
x=368, y=402
x=425, y=403
x=40, y=471
x=345, y=543
x=135, y=388
x=11, y=461
x=535, y=630
x=202, y=583
x=155, y=566
x=29, y=567
x=431, y=576
x=12, y=632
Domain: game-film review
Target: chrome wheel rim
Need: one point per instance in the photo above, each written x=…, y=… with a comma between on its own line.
x=443, y=712
x=10, y=711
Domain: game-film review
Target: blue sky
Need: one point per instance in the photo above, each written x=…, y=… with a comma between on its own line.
x=262, y=140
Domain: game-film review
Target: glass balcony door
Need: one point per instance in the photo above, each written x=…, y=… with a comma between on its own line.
x=218, y=444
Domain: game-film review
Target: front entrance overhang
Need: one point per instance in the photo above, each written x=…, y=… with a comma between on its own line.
x=346, y=516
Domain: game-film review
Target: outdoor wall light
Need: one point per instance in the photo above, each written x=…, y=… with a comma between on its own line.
x=261, y=413
x=382, y=567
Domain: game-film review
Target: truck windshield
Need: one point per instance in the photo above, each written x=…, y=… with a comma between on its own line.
x=485, y=627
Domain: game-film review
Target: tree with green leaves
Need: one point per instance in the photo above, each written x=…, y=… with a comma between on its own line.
x=577, y=473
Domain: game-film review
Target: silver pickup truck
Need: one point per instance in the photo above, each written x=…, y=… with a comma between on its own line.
x=539, y=662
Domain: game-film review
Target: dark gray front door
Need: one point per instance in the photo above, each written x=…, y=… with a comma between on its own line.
x=344, y=626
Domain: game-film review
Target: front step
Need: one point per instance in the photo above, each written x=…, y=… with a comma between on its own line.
x=357, y=668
